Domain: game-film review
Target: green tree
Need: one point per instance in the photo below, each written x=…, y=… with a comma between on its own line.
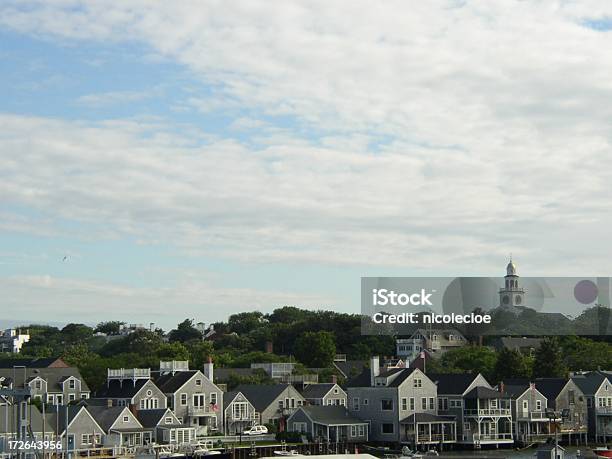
x=185, y=331
x=76, y=333
x=246, y=322
x=316, y=349
x=512, y=364
x=470, y=359
x=548, y=361
x=109, y=328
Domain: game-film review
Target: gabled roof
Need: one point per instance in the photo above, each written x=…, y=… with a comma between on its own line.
x=315, y=391
x=170, y=383
x=104, y=416
x=330, y=415
x=50, y=362
x=54, y=376
x=550, y=387
x=361, y=380
x=57, y=416
x=589, y=383
x=404, y=373
x=261, y=395
x=515, y=390
x=482, y=392
x=151, y=418
x=452, y=384
x=121, y=389
x=350, y=368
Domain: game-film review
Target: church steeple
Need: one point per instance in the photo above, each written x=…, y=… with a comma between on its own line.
x=511, y=294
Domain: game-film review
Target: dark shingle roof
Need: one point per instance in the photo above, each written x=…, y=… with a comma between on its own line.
x=515, y=390
x=361, y=380
x=317, y=390
x=330, y=415
x=32, y=363
x=151, y=418
x=124, y=389
x=452, y=384
x=170, y=383
x=261, y=395
x=403, y=375
x=53, y=376
x=104, y=416
x=484, y=393
x=550, y=387
x=590, y=382
x=350, y=368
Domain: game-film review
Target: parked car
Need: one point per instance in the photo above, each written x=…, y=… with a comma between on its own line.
x=256, y=430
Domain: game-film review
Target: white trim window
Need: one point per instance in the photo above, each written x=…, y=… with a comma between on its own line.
x=355, y=403
x=183, y=399
x=300, y=427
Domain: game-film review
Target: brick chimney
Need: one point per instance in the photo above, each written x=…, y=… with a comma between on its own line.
x=334, y=379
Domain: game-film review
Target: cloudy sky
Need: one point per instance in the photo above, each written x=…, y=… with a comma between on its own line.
x=194, y=159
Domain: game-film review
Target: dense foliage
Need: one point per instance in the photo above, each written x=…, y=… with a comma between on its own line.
x=310, y=337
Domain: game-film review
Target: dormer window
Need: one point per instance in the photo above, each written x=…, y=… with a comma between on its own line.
x=71, y=383
x=168, y=420
x=198, y=382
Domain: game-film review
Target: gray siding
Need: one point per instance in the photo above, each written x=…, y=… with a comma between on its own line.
x=273, y=412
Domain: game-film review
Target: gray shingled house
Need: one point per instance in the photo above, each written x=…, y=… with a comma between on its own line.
x=331, y=423
x=239, y=414
x=75, y=425
x=452, y=389
x=324, y=394
x=141, y=393
x=400, y=406
x=55, y=385
x=272, y=402
x=162, y=426
x=531, y=423
x=194, y=398
x=566, y=397
x=121, y=427
x=597, y=390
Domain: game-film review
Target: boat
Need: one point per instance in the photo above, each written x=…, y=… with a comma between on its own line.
x=603, y=451
x=291, y=452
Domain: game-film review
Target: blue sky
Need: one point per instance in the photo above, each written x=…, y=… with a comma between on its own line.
x=205, y=159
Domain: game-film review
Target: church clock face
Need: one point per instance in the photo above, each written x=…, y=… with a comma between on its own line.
x=517, y=300
x=506, y=299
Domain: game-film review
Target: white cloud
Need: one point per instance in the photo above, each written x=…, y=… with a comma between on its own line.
x=403, y=206
x=491, y=122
